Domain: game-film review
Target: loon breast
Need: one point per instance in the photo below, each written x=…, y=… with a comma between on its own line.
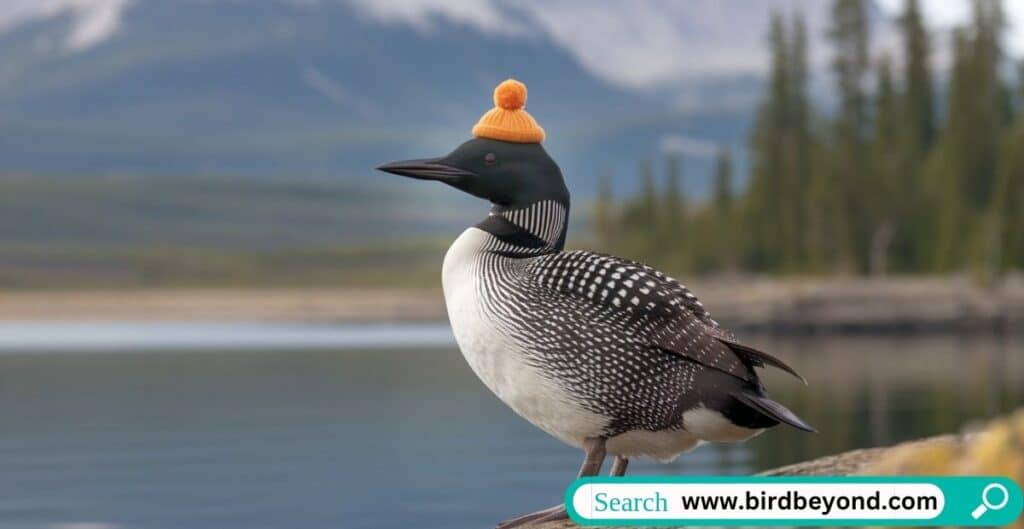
x=478, y=338
x=496, y=356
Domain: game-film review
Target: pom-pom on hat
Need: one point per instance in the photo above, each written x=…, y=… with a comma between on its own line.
x=508, y=120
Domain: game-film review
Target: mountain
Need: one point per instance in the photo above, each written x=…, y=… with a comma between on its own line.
x=326, y=88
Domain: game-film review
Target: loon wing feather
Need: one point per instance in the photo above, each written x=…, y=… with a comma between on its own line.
x=650, y=306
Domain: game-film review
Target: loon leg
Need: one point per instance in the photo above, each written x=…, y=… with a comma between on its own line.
x=593, y=457
x=619, y=466
x=592, y=460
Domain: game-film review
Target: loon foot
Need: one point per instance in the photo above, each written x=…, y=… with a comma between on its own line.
x=556, y=512
x=593, y=459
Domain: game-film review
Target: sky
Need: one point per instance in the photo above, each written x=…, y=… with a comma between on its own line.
x=654, y=43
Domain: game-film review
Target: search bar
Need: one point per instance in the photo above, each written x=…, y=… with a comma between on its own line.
x=819, y=500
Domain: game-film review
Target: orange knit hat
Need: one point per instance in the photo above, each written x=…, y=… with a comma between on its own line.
x=508, y=120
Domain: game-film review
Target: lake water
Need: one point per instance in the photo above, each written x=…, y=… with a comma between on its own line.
x=224, y=426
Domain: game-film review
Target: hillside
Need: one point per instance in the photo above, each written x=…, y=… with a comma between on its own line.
x=331, y=89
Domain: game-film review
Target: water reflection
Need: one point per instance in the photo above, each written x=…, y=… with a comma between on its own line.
x=377, y=438
x=105, y=337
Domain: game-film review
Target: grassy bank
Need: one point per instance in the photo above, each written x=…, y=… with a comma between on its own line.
x=396, y=263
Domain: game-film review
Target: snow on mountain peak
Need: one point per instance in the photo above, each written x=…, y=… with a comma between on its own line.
x=93, y=21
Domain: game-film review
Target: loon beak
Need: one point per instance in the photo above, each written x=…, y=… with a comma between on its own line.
x=428, y=169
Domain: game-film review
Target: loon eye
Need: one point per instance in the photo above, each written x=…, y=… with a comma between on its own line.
x=490, y=159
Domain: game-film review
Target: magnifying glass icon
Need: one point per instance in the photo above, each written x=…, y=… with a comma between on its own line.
x=986, y=504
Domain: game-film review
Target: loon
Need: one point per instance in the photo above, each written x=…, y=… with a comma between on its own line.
x=605, y=354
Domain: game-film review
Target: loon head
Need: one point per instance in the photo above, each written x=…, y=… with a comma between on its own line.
x=503, y=163
x=509, y=174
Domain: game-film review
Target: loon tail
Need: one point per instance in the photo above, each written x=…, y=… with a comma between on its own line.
x=772, y=409
x=760, y=358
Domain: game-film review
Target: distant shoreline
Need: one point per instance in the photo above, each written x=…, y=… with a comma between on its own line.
x=350, y=305
x=785, y=306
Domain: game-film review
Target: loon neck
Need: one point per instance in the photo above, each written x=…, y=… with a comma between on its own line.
x=533, y=230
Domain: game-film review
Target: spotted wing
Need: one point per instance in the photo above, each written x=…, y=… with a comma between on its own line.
x=650, y=306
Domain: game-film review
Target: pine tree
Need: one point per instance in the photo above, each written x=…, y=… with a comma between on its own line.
x=775, y=209
x=673, y=223
x=917, y=118
x=918, y=97
x=1019, y=95
x=649, y=200
x=946, y=165
x=849, y=34
x=723, y=243
x=640, y=218
x=991, y=103
x=1008, y=202
x=797, y=154
x=962, y=170
x=761, y=206
x=1008, y=198
x=604, y=223
x=882, y=184
x=675, y=200
x=723, y=183
x=800, y=106
x=884, y=210
x=886, y=131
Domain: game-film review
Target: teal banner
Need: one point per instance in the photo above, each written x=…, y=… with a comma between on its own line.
x=795, y=501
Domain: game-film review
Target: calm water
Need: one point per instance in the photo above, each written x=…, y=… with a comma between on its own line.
x=353, y=432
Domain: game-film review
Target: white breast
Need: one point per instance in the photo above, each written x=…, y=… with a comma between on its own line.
x=498, y=359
